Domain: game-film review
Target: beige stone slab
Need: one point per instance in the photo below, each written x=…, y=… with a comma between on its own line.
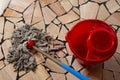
x=89, y=10
x=66, y=5
x=57, y=76
x=14, y=20
x=70, y=76
x=107, y=75
x=64, y=60
x=9, y=27
x=69, y=50
x=60, y=54
x=48, y=15
x=39, y=58
x=118, y=1
x=39, y=74
x=20, y=5
x=19, y=24
x=112, y=64
x=69, y=59
x=117, y=57
x=3, y=5
x=50, y=78
x=54, y=67
x=40, y=25
x=116, y=75
x=76, y=65
x=56, y=21
x=112, y=5
x=57, y=8
x=1, y=24
x=28, y=13
x=114, y=19
x=69, y=17
x=53, y=30
x=102, y=13
x=1, y=64
x=100, y=1
x=46, y=2
x=118, y=37
x=76, y=10
x=1, y=53
x=6, y=44
x=82, y=1
x=74, y=2
x=1, y=36
x=70, y=25
x=62, y=33
x=11, y=13
x=7, y=73
x=37, y=16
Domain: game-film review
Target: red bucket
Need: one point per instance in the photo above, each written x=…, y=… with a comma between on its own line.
x=92, y=41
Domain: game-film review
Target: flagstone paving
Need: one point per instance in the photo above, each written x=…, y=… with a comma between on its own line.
x=57, y=17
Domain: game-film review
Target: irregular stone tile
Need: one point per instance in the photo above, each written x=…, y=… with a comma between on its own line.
x=66, y=5
x=20, y=5
x=114, y=27
x=117, y=56
x=27, y=15
x=9, y=27
x=50, y=78
x=100, y=1
x=40, y=25
x=14, y=20
x=70, y=76
x=1, y=54
x=116, y=75
x=48, y=15
x=1, y=36
x=68, y=50
x=64, y=60
x=112, y=64
x=69, y=17
x=46, y=2
x=37, y=16
x=3, y=5
x=102, y=13
x=69, y=59
x=62, y=33
x=82, y=1
x=57, y=8
x=11, y=13
x=114, y=19
x=2, y=64
x=39, y=58
x=39, y=74
x=76, y=10
x=70, y=25
x=54, y=67
x=94, y=72
x=57, y=76
x=56, y=21
x=6, y=44
x=118, y=1
x=53, y=30
x=60, y=54
x=118, y=37
x=89, y=10
x=1, y=24
x=7, y=73
x=76, y=65
x=74, y=2
x=22, y=73
x=107, y=75
x=112, y=6
x=19, y=24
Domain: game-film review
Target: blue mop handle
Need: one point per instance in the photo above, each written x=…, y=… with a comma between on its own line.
x=71, y=70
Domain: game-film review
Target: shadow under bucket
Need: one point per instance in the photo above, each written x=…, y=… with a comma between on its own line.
x=92, y=41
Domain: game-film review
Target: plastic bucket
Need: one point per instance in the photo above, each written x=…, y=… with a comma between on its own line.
x=92, y=41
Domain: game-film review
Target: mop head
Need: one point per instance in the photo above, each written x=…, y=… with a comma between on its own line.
x=21, y=57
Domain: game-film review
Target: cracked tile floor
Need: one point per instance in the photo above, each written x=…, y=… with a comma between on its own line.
x=57, y=17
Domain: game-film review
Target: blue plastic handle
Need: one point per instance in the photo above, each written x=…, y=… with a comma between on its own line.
x=71, y=70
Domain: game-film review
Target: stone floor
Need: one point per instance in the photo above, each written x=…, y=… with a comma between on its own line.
x=57, y=17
